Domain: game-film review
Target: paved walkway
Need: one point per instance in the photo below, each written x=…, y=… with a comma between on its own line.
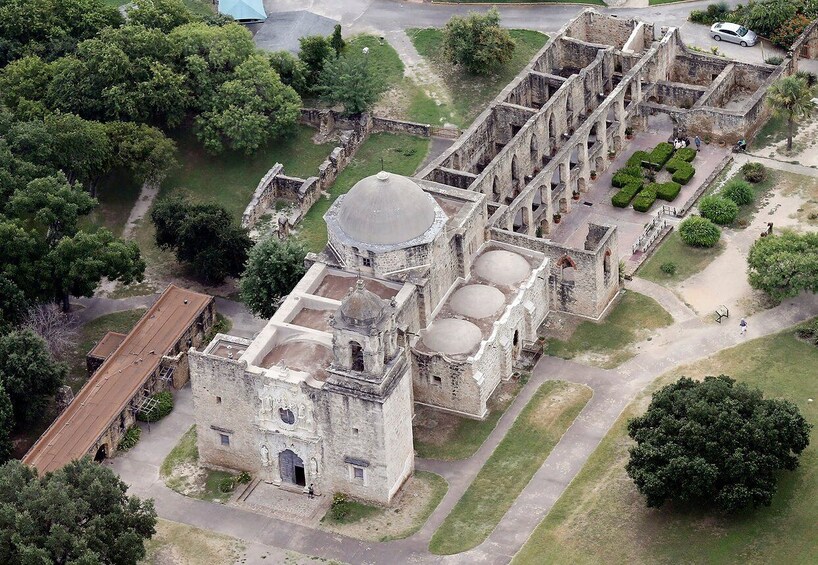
x=666, y=298
x=682, y=343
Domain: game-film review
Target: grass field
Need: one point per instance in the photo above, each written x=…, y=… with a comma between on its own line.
x=470, y=93
x=179, y=543
x=601, y=517
x=760, y=190
x=688, y=260
x=632, y=318
x=117, y=194
x=505, y=474
x=181, y=472
x=401, y=154
x=773, y=131
x=384, y=62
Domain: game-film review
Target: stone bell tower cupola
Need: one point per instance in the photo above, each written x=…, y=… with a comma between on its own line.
x=364, y=332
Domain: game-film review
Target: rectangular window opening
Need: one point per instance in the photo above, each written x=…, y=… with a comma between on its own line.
x=225, y=439
x=218, y=400
x=358, y=473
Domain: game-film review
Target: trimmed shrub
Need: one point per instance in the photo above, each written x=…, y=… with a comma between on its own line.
x=661, y=154
x=130, y=438
x=164, y=406
x=666, y=190
x=626, y=175
x=668, y=268
x=718, y=209
x=644, y=200
x=739, y=191
x=685, y=154
x=227, y=484
x=684, y=172
x=636, y=159
x=754, y=172
x=699, y=232
x=244, y=478
x=622, y=198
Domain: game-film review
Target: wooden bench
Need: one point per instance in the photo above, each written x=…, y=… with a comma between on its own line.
x=722, y=312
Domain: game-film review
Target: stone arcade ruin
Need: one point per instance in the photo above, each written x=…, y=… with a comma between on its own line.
x=431, y=287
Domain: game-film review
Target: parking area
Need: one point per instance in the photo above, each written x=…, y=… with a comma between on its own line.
x=698, y=35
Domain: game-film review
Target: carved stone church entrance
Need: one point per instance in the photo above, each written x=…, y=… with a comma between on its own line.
x=292, y=468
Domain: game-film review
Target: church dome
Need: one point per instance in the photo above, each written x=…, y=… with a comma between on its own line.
x=386, y=209
x=361, y=308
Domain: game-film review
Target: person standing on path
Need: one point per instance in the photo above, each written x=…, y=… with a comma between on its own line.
x=311, y=491
x=698, y=142
x=742, y=326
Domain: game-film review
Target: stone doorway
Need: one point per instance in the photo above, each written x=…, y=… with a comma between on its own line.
x=102, y=453
x=291, y=467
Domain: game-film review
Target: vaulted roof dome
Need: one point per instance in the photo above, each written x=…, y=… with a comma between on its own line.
x=362, y=308
x=386, y=209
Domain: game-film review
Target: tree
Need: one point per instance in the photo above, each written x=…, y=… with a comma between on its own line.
x=6, y=426
x=337, y=41
x=790, y=98
x=478, y=42
x=784, y=265
x=291, y=70
x=79, y=514
x=13, y=304
x=718, y=209
x=273, y=269
x=160, y=14
x=348, y=81
x=203, y=235
x=143, y=150
x=28, y=373
x=315, y=49
x=699, y=232
x=714, y=442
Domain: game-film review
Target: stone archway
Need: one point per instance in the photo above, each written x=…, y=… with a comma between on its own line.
x=102, y=453
x=291, y=468
x=516, y=344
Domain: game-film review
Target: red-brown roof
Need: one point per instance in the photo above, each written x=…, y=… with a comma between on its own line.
x=107, y=345
x=118, y=379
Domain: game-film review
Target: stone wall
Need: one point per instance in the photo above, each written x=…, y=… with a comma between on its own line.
x=806, y=45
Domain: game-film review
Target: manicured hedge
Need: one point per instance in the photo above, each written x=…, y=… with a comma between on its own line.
x=622, y=198
x=684, y=173
x=636, y=159
x=626, y=175
x=661, y=154
x=666, y=190
x=685, y=154
x=644, y=200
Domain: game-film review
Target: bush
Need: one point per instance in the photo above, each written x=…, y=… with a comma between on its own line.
x=739, y=191
x=661, y=154
x=699, y=232
x=163, y=407
x=668, y=268
x=626, y=175
x=682, y=171
x=340, y=506
x=699, y=17
x=786, y=35
x=130, y=438
x=636, y=159
x=774, y=60
x=644, y=200
x=227, y=484
x=666, y=190
x=685, y=154
x=754, y=172
x=718, y=209
x=244, y=478
x=622, y=198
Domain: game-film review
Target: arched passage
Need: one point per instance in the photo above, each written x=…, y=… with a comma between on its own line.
x=567, y=270
x=356, y=355
x=535, y=151
x=495, y=190
x=102, y=453
x=291, y=468
x=515, y=176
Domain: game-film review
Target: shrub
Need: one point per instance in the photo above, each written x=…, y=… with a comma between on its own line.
x=668, y=268
x=622, y=198
x=699, y=17
x=227, y=484
x=666, y=190
x=661, y=154
x=684, y=171
x=644, y=200
x=718, y=209
x=163, y=407
x=699, y=232
x=754, y=172
x=739, y=191
x=685, y=154
x=130, y=438
x=774, y=60
x=785, y=35
x=636, y=159
x=340, y=506
x=626, y=175
x=244, y=477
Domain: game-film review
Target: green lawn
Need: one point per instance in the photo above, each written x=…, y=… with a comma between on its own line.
x=595, y=2
x=505, y=474
x=773, y=131
x=184, y=458
x=601, y=517
x=402, y=154
x=688, y=260
x=760, y=190
x=116, y=194
x=632, y=317
x=229, y=179
x=384, y=62
x=470, y=93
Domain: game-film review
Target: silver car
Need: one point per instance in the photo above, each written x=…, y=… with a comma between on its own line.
x=733, y=33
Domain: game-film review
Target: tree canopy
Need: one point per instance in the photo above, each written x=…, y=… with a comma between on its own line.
x=784, y=265
x=348, y=81
x=790, y=98
x=273, y=269
x=80, y=514
x=714, y=442
x=478, y=42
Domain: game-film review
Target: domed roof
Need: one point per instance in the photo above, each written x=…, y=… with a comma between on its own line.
x=386, y=209
x=361, y=307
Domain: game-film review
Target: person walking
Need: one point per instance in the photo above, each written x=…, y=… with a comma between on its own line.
x=311, y=491
x=698, y=142
x=742, y=326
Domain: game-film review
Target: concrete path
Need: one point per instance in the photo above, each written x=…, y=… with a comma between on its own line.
x=147, y=194
x=666, y=298
x=742, y=158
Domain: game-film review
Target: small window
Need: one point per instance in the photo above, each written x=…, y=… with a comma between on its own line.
x=366, y=261
x=355, y=431
x=358, y=473
x=218, y=400
x=225, y=439
x=437, y=380
x=286, y=415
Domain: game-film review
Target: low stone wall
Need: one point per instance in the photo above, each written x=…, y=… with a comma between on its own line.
x=680, y=212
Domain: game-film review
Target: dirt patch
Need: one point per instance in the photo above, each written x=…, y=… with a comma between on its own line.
x=546, y=413
x=559, y=326
x=187, y=479
x=180, y=544
x=804, y=146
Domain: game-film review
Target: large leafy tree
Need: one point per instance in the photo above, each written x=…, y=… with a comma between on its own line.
x=28, y=374
x=348, y=81
x=202, y=235
x=6, y=426
x=790, y=98
x=714, y=442
x=478, y=42
x=784, y=265
x=315, y=50
x=161, y=14
x=80, y=514
x=273, y=269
